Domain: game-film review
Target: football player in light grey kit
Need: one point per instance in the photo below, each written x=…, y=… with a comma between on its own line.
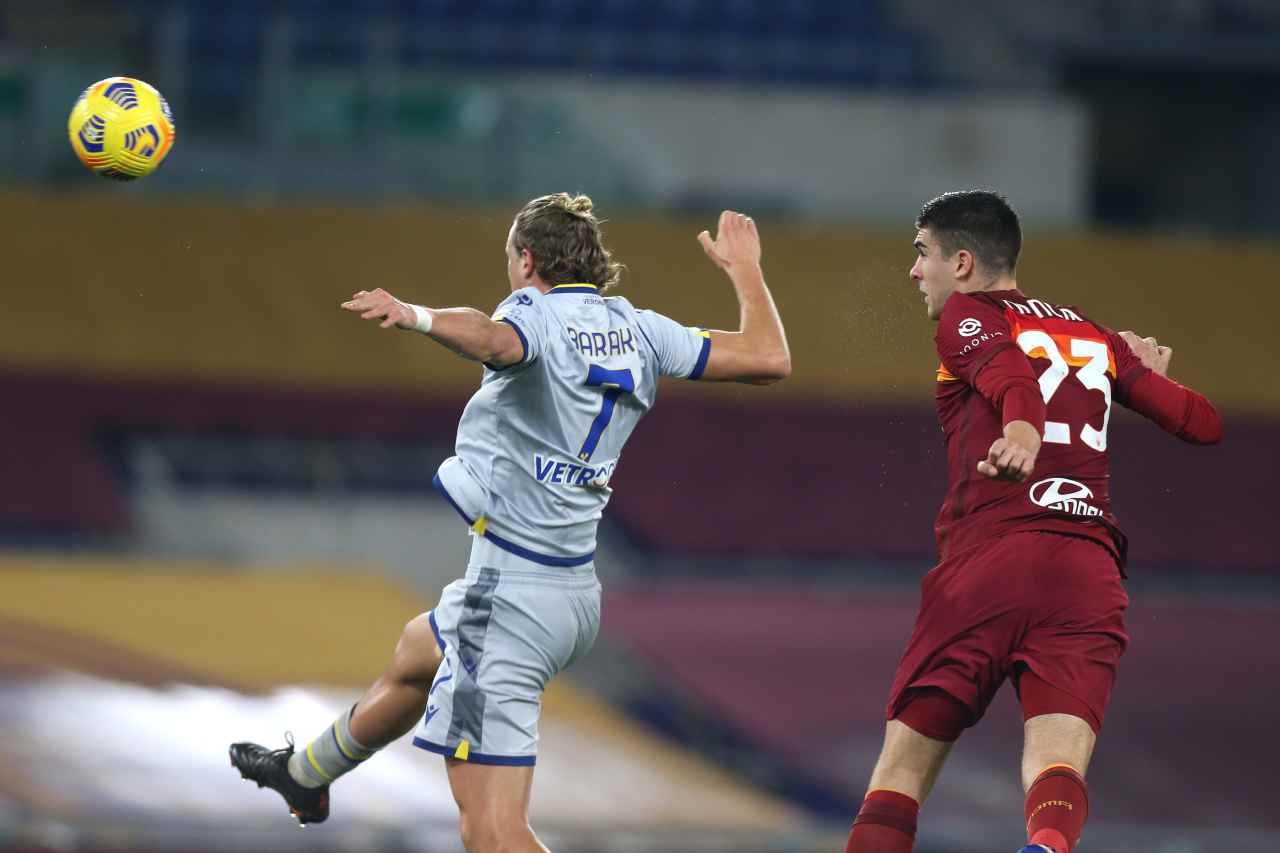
x=569, y=373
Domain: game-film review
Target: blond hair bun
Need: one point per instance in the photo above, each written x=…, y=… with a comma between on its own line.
x=579, y=204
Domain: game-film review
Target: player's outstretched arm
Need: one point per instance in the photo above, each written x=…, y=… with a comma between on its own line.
x=466, y=331
x=1174, y=408
x=757, y=353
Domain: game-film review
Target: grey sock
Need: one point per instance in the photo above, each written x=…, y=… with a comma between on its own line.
x=330, y=755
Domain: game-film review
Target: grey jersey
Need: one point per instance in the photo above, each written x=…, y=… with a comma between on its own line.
x=539, y=442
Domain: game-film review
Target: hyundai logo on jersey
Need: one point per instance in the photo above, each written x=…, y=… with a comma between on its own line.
x=1063, y=495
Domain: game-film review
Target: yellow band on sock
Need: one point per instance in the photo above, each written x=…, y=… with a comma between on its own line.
x=311, y=757
x=337, y=736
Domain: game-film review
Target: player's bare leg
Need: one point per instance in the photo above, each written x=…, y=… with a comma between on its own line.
x=1055, y=739
x=904, y=775
x=909, y=762
x=388, y=710
x=493, y=807
x=398, y=699
x=1055, y=757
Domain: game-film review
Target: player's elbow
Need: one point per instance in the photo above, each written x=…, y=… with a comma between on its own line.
x=779, y=367
x=1201, y=424
x=1210, y=431
x=774, y=369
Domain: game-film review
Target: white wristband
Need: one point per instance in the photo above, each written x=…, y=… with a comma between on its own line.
x=422, y=318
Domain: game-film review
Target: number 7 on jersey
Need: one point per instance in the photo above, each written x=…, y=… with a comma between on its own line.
x=614, y=383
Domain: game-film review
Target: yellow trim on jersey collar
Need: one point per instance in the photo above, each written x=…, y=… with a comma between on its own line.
x=582, y=284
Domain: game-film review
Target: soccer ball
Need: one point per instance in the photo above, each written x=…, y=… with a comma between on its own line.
x=121, y=128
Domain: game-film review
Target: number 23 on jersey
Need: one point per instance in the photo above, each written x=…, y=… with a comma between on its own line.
x=1092, y=358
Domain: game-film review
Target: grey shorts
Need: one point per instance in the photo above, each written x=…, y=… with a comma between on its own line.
x=505, y=630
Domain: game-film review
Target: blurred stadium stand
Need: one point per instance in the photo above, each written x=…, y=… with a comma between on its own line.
x=190, y=424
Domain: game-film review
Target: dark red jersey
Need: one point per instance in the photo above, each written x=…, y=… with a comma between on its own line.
x=998, y=348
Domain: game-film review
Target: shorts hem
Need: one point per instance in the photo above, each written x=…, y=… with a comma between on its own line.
x=478, y=757
x=933, y=712
x=1049, y=698
x=900, y=700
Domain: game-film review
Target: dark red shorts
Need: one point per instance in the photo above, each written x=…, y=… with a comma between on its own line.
x=1047, y=602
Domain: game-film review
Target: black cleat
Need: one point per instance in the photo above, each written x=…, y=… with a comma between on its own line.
x=270, y=769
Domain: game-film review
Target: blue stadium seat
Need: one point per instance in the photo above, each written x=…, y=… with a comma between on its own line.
x=796, y=17
x=412, y=12
x=334, y=41
x=750, y=18
x=720, y=39
x=225, y=43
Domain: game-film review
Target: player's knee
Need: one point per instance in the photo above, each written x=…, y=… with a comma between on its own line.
x=470, y=830
x=417, y=653
x=1050, y=709
x=489, y=833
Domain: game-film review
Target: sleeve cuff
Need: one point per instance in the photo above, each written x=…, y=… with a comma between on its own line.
x=701, y=364
x=524, y=343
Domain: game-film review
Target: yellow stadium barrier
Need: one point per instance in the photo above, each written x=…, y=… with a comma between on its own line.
x=213, y=290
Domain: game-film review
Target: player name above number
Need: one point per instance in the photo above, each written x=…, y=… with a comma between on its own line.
x=603, y=344
x=1043, y=309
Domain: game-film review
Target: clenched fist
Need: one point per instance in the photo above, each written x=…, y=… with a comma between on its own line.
x=1013, y=456
x=1149, y=352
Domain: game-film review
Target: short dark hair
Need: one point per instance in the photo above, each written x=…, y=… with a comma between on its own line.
x=563, y=235
x=978, y=220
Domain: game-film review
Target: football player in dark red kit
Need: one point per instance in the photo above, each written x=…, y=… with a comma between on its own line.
x=1028, y=585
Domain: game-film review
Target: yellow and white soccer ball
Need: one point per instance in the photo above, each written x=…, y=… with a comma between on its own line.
x=121, y=128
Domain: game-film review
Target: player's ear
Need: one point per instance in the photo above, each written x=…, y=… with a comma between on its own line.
x=527, y=266
x=964, y=263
